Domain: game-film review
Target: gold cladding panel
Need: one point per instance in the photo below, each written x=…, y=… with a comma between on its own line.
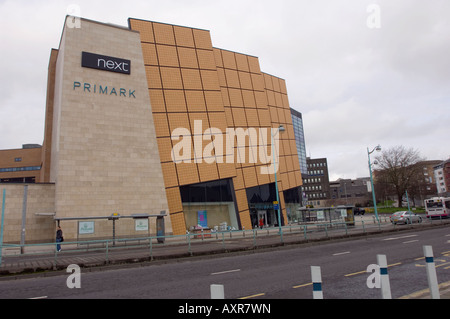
x=195, y=101
x=165, y=149
x=174, y=200
x=202, y=39
x=167, y=55
x=178, y=224
x=245, y=80
x=191, y=79
x=239, y=117
x=208, y=172
x=175, y=101
x=249, y=99
x=184, y=36
x=214, y=100
x=188, y=57
x=241, y=62
x=178, y=120
x=153, y=77
x=171, y=78
x=187, y=173
x=170, y=174
x=232, y=78
x=157, y=100
x=250, y=179
x=161, y=124
x=235, y=97
x=229, y=61
x=253, y=63
x=206, y=59
x=149, y=53
x=164, y=33
x=210, y=80
x=145, y=28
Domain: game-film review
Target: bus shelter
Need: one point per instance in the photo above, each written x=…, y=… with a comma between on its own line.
x=327, y=215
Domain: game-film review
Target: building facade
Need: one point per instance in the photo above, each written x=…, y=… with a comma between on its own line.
x=297, y=122
x=317, y=182
x=152, y=118
x=350, y=192
x=442, y=178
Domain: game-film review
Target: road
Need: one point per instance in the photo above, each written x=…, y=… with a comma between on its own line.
x=283, y=273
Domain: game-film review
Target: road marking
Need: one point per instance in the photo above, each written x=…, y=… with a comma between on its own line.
x=410, y=241
x=252, y=296
x=304, y=285
x=225, y=272
x=394, y=238
x=41, y=297
x=440, y=265
x=365, y=271
x=343, y=253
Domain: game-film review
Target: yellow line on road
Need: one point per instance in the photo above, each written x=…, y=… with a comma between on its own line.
x=252, y=296
x=364, y=271
x=304, y=285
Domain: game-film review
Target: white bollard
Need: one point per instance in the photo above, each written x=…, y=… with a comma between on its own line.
x=384, y=277
x=316, y=277
x=217, y=292
x=431, y=272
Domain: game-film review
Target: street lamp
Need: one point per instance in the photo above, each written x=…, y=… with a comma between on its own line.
x=378, y=149
x=281, y=129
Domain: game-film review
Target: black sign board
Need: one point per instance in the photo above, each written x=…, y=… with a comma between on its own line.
x=106, y=63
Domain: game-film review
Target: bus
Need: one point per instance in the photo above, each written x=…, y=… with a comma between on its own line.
x=438, y=207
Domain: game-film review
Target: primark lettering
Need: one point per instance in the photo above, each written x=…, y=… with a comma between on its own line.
x=103, y=89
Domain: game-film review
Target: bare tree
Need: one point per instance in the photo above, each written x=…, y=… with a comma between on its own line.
x=398, y=167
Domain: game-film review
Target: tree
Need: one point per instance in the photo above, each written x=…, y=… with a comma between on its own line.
x=398, y=167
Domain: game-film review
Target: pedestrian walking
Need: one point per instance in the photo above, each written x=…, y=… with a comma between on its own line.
x=59, y=238
x=261, y=223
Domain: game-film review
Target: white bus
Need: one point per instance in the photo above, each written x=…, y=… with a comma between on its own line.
x=438, y=207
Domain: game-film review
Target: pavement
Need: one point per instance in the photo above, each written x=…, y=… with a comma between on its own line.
x=43, y=260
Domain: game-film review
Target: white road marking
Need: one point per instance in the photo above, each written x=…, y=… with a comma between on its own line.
x=343, y=253
x=225, y=272
x=401, y=237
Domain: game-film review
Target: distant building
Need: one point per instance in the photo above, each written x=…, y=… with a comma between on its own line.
x=316, y=183
x=297, y=122
x=442, y=178
x=299, y=134
x=20, y=165
x=350, y=192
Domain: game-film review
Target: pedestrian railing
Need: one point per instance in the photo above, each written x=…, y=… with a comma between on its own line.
x=149, y=248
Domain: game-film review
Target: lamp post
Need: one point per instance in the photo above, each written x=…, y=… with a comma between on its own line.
x=280, y=130
x=377, y=148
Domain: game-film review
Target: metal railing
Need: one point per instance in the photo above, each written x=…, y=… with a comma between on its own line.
x=149, y=248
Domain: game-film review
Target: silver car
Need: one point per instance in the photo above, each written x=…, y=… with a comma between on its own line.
x=405, y=217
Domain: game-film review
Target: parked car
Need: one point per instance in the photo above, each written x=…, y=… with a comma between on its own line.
x=359, y=211
x=405, y=217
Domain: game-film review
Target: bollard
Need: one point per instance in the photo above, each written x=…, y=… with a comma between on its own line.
x=384, y=277
x=217, y=292
x=316, y=277
x=431, y=272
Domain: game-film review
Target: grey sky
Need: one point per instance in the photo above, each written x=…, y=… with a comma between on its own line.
x=355, y=86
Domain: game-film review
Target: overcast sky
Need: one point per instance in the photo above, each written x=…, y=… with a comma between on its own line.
x=361, y=74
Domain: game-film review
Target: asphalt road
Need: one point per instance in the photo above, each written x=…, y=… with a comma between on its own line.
x=283, y=273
